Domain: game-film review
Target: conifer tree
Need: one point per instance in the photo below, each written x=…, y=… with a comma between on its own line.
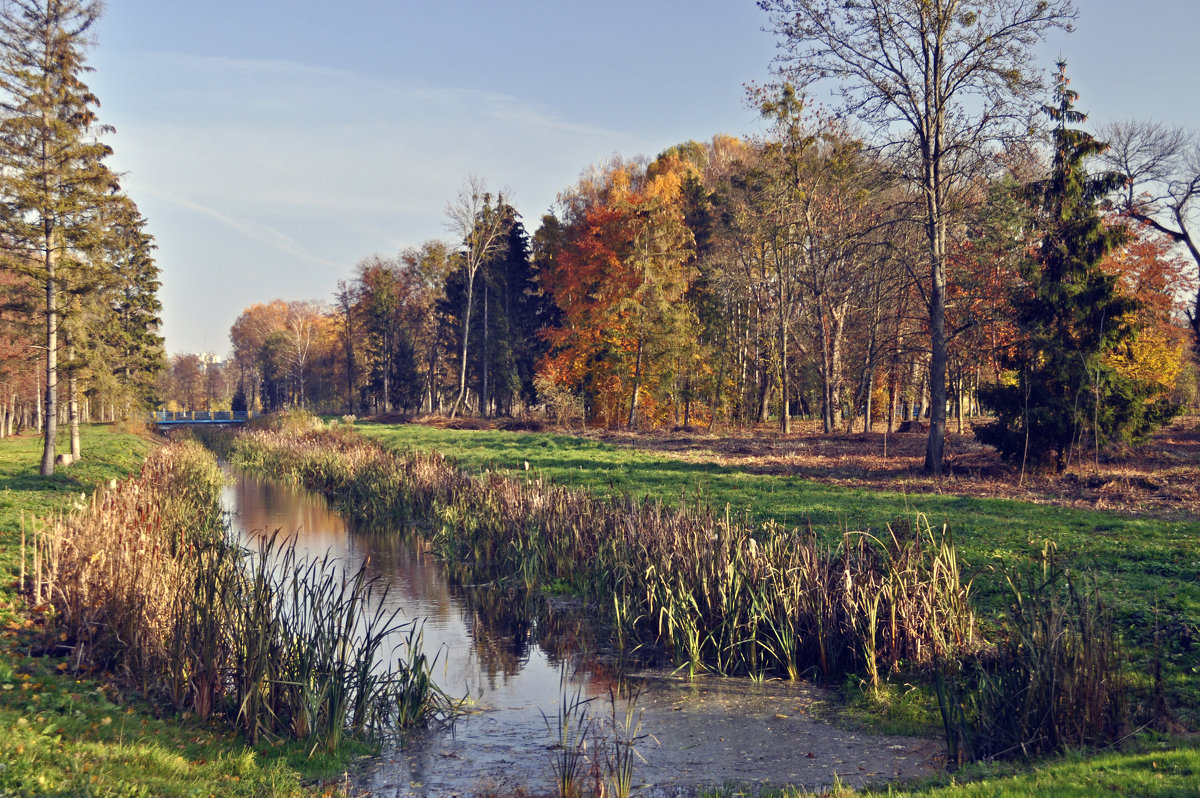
x=53, y=181
x=119, y=325
x=1063, y=393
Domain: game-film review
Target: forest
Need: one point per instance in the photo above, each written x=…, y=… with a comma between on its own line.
x=750, y=281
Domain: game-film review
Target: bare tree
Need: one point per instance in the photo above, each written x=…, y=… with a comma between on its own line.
x=1161, y=166
x=472, y=219
x=940, y=79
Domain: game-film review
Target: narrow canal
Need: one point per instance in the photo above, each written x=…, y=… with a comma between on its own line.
x=515, y=657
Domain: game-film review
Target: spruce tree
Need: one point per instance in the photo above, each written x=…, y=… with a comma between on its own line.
x=1060, y=392
x=53, y=181
x=129, y=348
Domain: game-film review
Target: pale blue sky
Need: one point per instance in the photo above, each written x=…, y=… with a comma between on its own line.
x=273, y=144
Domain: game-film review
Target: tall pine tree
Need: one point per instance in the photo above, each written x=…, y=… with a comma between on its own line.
x=53, y=181
x=1062, y=393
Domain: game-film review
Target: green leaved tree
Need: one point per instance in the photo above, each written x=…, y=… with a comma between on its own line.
x=1060, y=393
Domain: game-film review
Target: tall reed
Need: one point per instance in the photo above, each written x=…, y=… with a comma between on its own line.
x=1054, y=679
x=717, y=591
x=143, y=582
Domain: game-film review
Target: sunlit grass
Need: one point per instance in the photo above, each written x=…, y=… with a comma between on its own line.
x=1168, y=770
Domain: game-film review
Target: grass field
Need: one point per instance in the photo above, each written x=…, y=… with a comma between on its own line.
x=63, y=734
x=1150, y=568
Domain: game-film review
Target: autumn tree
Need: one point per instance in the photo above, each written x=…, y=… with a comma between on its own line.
x=1149, y=271
x=257, y=339
x=1161, y=188
x=619, y=277
x=303, y=325
x=940, y=79
x=52, y=177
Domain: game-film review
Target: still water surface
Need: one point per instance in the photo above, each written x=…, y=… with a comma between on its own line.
x=513, y=657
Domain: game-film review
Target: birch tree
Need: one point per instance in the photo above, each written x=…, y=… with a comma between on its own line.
x=472, y=220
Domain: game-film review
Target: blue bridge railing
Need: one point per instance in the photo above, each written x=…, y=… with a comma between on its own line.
x=202, y=416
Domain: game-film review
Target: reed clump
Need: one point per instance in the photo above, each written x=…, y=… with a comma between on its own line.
x=142, y=582
x=1053, y=680
x=715, y=590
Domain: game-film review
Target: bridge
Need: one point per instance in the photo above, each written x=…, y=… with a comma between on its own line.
x=169, y=418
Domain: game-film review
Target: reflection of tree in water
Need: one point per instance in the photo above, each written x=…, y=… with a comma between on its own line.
x=504, y=622
x=403, y=559
x=501, y=623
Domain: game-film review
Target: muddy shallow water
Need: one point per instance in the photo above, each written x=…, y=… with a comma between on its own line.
x=702, y=733
x=516, y=656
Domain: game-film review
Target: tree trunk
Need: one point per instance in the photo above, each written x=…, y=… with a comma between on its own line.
x=785, y=415
x=73, y=407
x=637, y=386
x=483, y=356
x=936, y=230
x=50, y=431
x=466, y=328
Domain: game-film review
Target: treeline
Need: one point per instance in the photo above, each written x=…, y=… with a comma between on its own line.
x=736, y=281
x=79, y=307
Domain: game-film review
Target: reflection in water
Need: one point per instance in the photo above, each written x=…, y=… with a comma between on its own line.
x=507, y=651
x=503, y=648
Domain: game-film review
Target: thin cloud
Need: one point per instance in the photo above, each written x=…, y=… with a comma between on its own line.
x=255, y=231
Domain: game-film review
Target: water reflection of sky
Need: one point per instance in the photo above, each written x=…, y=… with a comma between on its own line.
x=702, y=732
x=498, y=664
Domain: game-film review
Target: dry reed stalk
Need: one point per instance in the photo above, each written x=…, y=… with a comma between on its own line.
x=716, y=590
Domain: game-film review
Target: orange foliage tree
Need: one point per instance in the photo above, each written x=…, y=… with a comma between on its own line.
x=1148, y=271
x=618, y=274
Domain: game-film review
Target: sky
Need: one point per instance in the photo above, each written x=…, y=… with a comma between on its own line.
x=273, y=144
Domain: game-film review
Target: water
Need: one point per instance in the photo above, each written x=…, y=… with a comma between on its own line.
x=515, y=656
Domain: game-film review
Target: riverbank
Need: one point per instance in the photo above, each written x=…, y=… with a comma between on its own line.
x=1146, y=565
x=479, y=521
x=78, y=734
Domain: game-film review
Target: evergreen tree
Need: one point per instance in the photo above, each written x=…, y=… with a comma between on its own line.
x=518, y=311
x=1062, y=392
x=135, y=309
x=122, y=347
x=53, y=181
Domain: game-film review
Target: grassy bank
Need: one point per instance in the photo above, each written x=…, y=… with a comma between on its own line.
x=80, y=734
x=1147, y=568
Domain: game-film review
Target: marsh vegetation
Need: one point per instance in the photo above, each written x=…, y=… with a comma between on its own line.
x=731, y=593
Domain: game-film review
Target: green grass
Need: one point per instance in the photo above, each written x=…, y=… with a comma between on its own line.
x=1164, y=770
x=77, y=736
x=1149, y=567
